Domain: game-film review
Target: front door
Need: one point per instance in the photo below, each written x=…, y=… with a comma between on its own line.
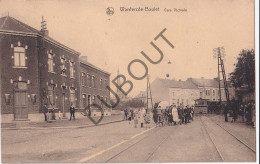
x=84, y=100
x=20, y=101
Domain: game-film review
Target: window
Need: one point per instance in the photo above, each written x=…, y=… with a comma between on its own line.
x=19, y=57
x=51, y=95
x=93, y=81
x=20, y=85
x=71, y=69
x=33, y=98
x=89, y=80
x=178, y=102
x=63, y=68
x=101, y=83
x=72, y=96
x=83, y=80
x=50, y=63
x=7, y=99
x=207, y=92
x=93, y=99
x=101, y=104
x=105, y=82
x=213, y=92
x=172, y=94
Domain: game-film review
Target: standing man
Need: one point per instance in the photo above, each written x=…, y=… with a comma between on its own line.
x=72, y=111
x=125, y=114
x=132, y=114
x=226, y=112
x=45, y=111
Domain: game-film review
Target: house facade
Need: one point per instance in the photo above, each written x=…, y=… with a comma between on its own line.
x=38, y=71
x=93, y=82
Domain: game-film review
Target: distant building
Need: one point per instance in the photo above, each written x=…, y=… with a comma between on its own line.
x=209, y=89
x=186, y=92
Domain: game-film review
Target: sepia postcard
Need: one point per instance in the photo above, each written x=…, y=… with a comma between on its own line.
x=133, y=81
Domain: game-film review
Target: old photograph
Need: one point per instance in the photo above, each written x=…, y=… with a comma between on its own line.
x=139, y=81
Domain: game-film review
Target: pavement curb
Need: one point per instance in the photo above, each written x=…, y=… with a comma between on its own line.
x=61, y=127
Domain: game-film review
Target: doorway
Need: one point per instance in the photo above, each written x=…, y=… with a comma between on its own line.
x=20, y=101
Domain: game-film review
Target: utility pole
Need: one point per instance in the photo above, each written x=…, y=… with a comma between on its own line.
x=219, y=52
x=219, y=91
x=148, y=95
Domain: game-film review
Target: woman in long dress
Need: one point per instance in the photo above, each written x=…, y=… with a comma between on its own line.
x=175, y=114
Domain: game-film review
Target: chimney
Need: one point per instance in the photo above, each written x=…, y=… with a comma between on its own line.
x=84, y=58
x=44, y=30
x=179, y=79
x=202, y=77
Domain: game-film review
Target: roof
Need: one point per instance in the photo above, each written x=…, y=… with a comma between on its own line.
x=93, y=66
x=201, y=82
x=13, y=25
x=171, y=83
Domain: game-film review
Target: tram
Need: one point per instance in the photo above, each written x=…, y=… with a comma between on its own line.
x=201, y=106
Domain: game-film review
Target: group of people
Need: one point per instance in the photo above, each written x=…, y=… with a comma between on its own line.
x=49, y=114
x=247, y=111
x=139, y=116
x=173, y=115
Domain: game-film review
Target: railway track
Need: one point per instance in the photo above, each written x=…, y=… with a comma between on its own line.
x=227, y=132
x=212, y=141
x=150, y=154
x=239, y=140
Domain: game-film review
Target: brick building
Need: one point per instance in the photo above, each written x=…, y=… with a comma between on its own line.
x=93, y=82
x=36, y=70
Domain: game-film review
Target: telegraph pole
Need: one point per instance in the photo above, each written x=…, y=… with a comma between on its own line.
x=219, y=91
x=220, y=53
x=148, y=94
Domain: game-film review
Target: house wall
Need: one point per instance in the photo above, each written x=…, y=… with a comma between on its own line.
x=10, y=74
x=62, y=83
x=89, y=89
x=179, y=96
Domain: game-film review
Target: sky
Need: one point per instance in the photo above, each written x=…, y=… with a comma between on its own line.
x=111, y=42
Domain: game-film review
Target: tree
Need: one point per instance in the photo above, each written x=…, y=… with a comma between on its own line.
x=134, y=103
x=244, y=73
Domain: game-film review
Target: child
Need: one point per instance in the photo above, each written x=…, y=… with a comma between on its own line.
x=59, y=115
x=136, y=119
x=129, y=117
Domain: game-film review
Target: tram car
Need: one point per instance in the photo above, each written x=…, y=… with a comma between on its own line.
x=201, y=106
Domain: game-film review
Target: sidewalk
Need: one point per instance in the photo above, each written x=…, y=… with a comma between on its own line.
x=66, y=123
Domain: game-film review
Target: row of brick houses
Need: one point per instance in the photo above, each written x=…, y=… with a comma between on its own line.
x=36, y=70
x=186, y=92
